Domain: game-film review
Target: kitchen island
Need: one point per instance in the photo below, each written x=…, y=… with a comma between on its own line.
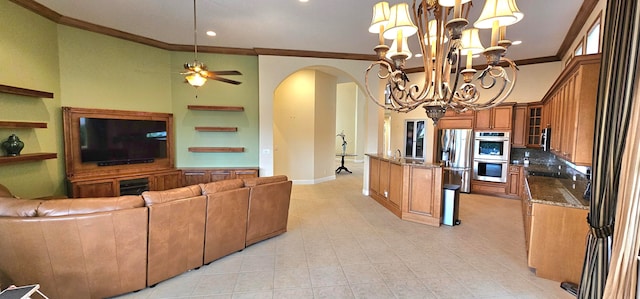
x=409, y=188
x=555, y=224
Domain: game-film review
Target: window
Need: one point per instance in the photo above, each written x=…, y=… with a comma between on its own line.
x=593, y=37
x=414, y=144
x=579, y=49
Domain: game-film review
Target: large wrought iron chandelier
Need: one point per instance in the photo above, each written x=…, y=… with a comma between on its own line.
x=443, y=39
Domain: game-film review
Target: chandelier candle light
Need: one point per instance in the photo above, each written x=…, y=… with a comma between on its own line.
x=443, y=39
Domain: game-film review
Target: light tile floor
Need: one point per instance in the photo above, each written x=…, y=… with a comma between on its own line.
x=342, y=244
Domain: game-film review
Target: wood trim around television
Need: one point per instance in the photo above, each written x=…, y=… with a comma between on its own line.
x=75, y=169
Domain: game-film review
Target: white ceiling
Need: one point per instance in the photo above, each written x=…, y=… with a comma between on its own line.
x=318, y=25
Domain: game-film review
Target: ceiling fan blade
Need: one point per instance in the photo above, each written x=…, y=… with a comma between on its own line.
x=225, y=80
x=226, y=73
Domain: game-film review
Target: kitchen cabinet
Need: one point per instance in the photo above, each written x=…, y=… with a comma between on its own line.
x=380, y=187
x=514, y=184
x=498, y=118
x=519, y=134
x=534, y=126
x=555, y=237
x=454, y=120
x=411, y=191
x=570, y=103
x=489, y=188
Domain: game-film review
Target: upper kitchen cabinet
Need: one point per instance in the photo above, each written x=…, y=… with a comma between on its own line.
x=455, y=120
x=569, y=109
x=496, y=119
x=534, y=125
x=519, y=135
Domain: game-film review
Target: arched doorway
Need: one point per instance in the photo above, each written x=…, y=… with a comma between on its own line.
x=310, y=107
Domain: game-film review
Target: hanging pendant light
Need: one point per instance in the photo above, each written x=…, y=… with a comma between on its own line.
x=442, y=40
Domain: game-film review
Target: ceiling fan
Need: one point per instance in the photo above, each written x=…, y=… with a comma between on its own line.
x=196, y=72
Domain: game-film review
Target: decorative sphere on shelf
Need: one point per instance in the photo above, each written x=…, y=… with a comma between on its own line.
x=13, y=145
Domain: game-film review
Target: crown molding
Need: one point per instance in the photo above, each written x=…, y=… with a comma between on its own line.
x=581, y=18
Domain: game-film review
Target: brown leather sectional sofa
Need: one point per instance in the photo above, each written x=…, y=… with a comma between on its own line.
x=102, y=247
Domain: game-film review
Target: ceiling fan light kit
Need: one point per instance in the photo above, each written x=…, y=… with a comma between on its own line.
x=196, y=72
x=443, y=38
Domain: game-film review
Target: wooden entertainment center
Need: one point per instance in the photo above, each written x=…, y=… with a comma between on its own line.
x=121, y=177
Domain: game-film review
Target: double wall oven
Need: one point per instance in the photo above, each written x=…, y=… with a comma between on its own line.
x=491, y=156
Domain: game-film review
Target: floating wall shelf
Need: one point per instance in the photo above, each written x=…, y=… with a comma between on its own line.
x=22, y=124
x=216, y=149
x=27, y=158
x=215, y=108
x=25, y=92
x=217, y=129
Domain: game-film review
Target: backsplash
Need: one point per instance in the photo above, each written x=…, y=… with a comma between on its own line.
x=540, y=160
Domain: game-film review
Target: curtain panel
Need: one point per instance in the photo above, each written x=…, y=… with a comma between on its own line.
x=614, y=102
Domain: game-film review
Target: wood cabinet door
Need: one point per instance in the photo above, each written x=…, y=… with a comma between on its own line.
x=374, y=175
x=502, y=118
x=194, y=177
x=220, y=175
x=245, y=173
x=513, y=188
x=424, y=203
x=95, y=189
x=384, y=178
x=396, y=184
x=518, y=138
x=166, y=181
x=483, y=120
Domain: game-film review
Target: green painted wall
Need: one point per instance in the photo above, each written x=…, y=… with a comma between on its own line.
x=215, y=93
x=29, y=59
x=90, y=70
x=98, y=71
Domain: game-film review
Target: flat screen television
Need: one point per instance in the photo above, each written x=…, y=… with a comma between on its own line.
x=110, y=141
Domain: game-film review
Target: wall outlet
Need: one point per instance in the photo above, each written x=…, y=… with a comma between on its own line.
x=386, y=193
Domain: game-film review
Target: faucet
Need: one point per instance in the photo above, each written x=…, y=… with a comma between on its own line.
x=399, y=153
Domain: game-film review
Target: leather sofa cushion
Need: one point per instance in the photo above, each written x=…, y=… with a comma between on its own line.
x=252, y=182
x=219, y=186
x=14, y=207
x=63, y=207
x=157, y=197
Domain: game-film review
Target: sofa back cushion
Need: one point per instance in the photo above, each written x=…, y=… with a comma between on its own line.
x=156, y=197
x=14, y=207
x=219, y=186
x=62, y=207
x=252, y=182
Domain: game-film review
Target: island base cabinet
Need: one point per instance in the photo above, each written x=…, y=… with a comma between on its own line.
x=413, y=192
x=424, y=201
x=557, y=242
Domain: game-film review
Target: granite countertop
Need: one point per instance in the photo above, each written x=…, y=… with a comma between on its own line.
x=405, y=161
x=559, y=191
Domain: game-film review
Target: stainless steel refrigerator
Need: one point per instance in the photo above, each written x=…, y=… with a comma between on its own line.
x=454, y=150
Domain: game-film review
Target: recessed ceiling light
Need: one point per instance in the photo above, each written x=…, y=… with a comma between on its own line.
x=211, y=33
x=303, y=1
x=517, y=42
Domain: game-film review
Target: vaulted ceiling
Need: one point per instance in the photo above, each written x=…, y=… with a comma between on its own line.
x=335, y=26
